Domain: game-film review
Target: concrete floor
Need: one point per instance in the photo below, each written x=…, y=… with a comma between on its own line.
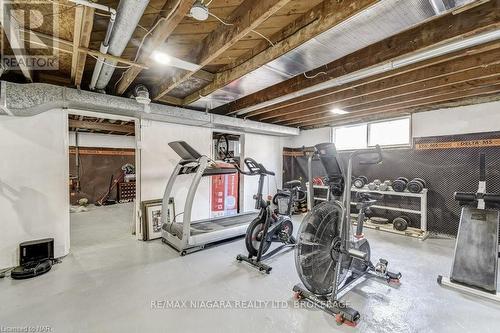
x=109, y=281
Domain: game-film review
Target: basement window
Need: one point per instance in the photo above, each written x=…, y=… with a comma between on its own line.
x=386, y=133
x=395, y=132
x=350, y=137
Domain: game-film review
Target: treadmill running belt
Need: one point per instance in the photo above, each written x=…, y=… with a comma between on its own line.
x=220, y=224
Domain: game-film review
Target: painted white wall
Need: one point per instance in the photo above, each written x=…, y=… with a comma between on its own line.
x=102, y=140
x=267, y=150
x=308, y=138
x=34, y=198
x=158, y=161
x=460, y=120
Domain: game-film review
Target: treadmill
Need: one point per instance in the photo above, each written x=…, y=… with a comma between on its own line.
x=189, y=236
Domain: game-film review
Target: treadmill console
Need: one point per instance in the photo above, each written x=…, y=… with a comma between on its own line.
x=185, y=151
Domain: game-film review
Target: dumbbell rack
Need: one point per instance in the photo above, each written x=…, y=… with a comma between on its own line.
x=421, y=233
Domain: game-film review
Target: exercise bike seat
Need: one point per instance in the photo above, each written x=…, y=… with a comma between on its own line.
x=292, y=183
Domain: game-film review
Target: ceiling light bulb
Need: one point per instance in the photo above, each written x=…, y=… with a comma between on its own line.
x=199, y=11
x=339, y=111
x=161, y=58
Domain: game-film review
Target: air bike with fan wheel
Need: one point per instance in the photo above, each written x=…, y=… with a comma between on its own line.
x=269, y=226
x=329, y=257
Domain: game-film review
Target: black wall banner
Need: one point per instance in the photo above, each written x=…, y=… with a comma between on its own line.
x=447, y=163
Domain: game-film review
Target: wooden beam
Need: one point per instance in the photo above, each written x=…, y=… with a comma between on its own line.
x=462, y=101
x=84, y=20
x=446, y=28
x=158, y=38
x=12, y=31
x=409, y=105
x=438, y=75
x=112, y=57
x=40, y=39
x=327, y=14
x=77, y=31
x=441, y=85
x=90, y=125
x=360, y=86
x=248, y=16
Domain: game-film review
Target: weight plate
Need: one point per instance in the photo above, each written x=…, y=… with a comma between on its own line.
x=359, y=183
x=399, y=185
x=401, y=223
x=415, y=186
x=422, y=181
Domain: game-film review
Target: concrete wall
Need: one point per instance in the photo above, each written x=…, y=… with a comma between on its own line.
x=34, y=198
x=158, y=161
x=309, y=138
x=102, y=140
x=460, y=120
x=267, y=150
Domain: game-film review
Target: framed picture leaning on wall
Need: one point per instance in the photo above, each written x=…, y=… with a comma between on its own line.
x=151, y=217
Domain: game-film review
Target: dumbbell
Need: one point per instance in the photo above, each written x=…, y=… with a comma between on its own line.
x=385, y=185
x=360, y=182
x=372, y=186
x=399, y=185
x=401, y=223
x=379, y=220
x=416, y=185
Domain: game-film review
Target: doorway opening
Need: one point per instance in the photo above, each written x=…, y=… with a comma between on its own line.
x=226, y=189
x=102, y=180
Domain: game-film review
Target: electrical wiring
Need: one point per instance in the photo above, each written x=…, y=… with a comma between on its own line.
x=219, y=19
x=148, y=33
x=108, y=64
x=101, y=14
x=261, y=35
x=315, y=75
x=229, y=24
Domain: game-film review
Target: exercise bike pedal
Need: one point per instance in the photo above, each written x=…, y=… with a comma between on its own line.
x=340, y=320
x=393, y=277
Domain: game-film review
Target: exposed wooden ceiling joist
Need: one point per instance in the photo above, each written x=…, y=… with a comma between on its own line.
x=440, y=30
x=387, y=98
x=12, y=31
x=101, y=126
x=160, y=34
x=417, y=79
x=248, y=16
x=453, y=103
x=407, y=106
x=84, y=22
x=319, y=19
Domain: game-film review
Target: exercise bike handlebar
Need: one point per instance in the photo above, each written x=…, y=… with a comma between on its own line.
x=254, y=168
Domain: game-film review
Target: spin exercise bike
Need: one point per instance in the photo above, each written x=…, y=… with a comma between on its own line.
x=269, y=226
x=330, y=260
